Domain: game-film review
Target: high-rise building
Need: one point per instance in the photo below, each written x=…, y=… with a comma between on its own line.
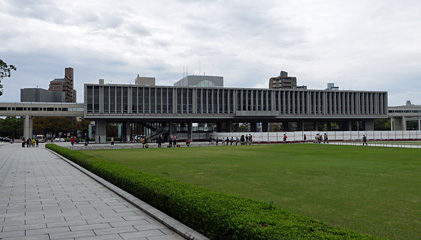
x=284, y=82
x=65, y=85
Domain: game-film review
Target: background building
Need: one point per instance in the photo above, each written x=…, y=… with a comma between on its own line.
x=200, y=81
x=65, y=85
x=41, y=95
x=145, y=81
x=331, y=86
x=284, y=82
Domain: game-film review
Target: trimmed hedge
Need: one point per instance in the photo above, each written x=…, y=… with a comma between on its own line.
x=216, y=215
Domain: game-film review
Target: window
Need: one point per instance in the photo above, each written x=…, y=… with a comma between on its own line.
x=125, y=99
x=134, y=100
x=140, y=100
x=89, y=99
x=158, y=100
x=146, y=100
x=106, y=99
x=112, y=100
x=119, y=107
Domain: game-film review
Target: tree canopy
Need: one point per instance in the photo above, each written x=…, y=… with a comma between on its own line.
x=5, y=72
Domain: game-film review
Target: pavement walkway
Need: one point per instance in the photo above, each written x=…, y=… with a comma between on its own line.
x=45, y=197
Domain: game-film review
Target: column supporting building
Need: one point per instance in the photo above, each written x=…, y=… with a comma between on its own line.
x=100, y=131
x=28, y=127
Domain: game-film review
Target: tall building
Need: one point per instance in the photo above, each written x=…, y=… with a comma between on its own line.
x=284, y=82
x=65, y=85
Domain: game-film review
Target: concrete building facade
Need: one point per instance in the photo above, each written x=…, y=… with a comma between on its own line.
x=400, y=115
x=129, y=103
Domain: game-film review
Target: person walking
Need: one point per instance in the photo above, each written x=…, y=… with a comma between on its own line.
x=285, y=138
x=305, y=138
x=112, y=141
x=365, y=140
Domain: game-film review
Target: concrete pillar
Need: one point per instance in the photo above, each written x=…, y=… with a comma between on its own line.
x=27, y=127
x=190, y=130
x=100, y=131
x=404, y=123
x=128, y=131
x=119, y=130
x=171, y=129
x=369, y=125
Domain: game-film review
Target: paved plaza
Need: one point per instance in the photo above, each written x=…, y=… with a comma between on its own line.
x=44, y=197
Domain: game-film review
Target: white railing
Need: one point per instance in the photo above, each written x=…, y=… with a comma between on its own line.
x=274, y=137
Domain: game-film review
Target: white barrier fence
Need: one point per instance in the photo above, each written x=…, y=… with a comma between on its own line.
x=273, y=137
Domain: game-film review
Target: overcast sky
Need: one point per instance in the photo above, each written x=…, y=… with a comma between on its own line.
x=356, y=44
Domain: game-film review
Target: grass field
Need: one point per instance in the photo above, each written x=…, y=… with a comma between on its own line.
x=368, y=189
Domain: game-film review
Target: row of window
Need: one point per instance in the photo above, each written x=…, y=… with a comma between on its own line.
x=164, y=100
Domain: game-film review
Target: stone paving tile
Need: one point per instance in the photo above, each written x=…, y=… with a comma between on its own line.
x=124, y=229
x=104, y=237
x=44, y=197
x=64, y=235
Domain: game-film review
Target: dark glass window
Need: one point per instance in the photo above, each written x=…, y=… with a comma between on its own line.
x=170, y=100
x=146, y=100
x=89, y=99
x=119, y=107
x=179, y=100
x=215, y=101
x=125, y=99
x=209, y=97
x=190, y=103
x=106, y=99
x=164, y=101
x=140, y=99
x=158, y=100
x=185, y=97
x=112, y=100
x=134, y=100
x=199, y=100
x=96, y=99
x=153, y=100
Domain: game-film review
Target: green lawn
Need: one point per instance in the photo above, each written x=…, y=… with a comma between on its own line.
x=368, y=189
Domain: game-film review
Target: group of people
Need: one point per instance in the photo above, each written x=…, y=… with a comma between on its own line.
x=321, y=138
x=30, y=142
x=243, y=140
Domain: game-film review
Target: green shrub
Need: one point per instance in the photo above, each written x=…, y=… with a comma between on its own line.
x=216, y=215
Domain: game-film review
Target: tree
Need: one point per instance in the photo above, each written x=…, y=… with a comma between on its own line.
x=11, y=127
x=382, y=124
x=5, y=72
